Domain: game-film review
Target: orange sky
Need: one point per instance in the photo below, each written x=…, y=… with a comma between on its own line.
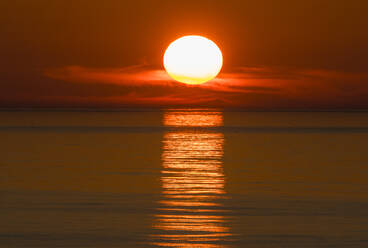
x=277, y=54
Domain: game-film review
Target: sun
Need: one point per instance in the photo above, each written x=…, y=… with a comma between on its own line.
x=193, y=59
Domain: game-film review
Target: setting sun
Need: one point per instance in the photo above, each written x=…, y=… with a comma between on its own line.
x=193, y=60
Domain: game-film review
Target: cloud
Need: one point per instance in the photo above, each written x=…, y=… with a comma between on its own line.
x=138, y=74
x=253, y=87
x=142, y=75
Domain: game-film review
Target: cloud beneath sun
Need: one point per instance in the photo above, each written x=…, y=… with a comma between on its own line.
x=142, y=75
x=137, y=74
x=250, y=87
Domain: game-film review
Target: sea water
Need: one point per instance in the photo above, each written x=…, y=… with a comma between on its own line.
x=183, y=178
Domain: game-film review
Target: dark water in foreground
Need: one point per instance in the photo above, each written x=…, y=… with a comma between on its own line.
x=183, y=178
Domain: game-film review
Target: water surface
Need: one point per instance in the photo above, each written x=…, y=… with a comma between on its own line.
x=183, y=178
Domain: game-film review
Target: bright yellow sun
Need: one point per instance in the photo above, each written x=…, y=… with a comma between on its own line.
x=193, y=59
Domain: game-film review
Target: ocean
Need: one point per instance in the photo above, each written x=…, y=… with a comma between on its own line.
x=206, y=178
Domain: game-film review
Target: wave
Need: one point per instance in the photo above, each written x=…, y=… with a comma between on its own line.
x=222, y=129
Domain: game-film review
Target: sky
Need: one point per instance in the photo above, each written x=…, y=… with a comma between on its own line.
x=278, y=54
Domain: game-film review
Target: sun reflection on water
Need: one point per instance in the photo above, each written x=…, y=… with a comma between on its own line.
x=191, y=213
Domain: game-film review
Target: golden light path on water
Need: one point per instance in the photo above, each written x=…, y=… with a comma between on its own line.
x=190, y=212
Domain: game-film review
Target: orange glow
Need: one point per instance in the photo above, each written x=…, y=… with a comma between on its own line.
x=193, y=119
x=192, y=183
x=193, y=60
